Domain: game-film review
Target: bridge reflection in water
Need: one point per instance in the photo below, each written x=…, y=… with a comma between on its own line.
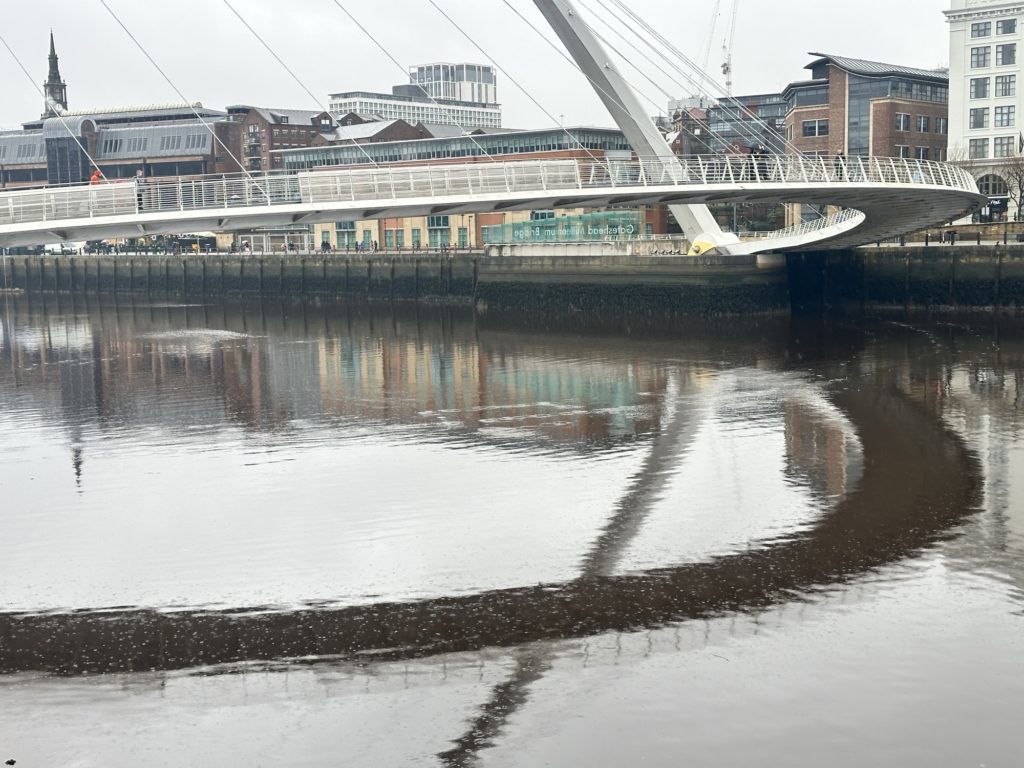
x=889, y=477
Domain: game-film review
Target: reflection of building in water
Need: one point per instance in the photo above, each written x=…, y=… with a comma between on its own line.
x=562, y=399
x=820, y=449
x=165, y=368
x=980, y=400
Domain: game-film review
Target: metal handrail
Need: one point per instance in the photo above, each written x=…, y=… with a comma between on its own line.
x=393, y=183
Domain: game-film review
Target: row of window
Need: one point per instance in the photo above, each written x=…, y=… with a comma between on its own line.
x=923, y=123
x=920, y=153
x=1002, y=146
x=984, y=28
x=1006, y=55
x=26, y=151
x=1006, y=85
x=1005, y=117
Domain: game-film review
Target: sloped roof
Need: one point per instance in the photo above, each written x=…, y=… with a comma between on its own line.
x=361, y=131
x=439, y=131
x=877, y=69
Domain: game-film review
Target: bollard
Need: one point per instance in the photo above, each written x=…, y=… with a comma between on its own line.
x=926, y=239
x=979, y=237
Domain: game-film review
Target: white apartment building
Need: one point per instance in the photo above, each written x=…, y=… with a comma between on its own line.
x=477, y=83
x=464, y=95
x=416, y=109
x=985, y=97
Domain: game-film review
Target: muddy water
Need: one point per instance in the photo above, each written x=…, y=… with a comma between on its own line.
x=327, y=535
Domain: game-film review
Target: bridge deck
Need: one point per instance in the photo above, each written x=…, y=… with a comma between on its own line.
x=895, y=195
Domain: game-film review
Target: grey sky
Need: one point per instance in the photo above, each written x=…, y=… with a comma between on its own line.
x=212, y=58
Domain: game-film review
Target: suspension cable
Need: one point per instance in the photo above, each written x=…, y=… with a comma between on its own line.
x=57, y=111
x=597, y=86
x=516, y=83
x=690, y=63
x=295, y=77
x=404, y=70
x=206, y=123
x=744, y=130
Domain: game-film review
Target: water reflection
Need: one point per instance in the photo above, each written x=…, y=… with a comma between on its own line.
x=151, y=377
x=354, y=492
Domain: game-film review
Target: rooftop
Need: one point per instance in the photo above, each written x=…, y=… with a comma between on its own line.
x=877, y=69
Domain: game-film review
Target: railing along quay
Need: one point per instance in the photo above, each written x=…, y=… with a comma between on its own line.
x=350, y=185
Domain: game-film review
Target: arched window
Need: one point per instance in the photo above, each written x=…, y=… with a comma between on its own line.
x=993, y=186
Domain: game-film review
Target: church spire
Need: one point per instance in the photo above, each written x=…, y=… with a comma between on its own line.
x=55, y=88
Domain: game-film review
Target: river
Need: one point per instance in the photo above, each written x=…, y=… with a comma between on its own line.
x=308, y=534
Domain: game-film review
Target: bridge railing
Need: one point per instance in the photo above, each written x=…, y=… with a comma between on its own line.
x=392, y=183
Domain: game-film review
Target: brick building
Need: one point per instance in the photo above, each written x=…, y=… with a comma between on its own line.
x=869, y=109
x=263, y=131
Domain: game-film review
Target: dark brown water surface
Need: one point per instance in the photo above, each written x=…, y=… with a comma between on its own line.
x=288, y=534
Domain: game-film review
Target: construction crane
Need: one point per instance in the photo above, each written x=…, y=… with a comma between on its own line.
x=706, y=53
x=727, y=48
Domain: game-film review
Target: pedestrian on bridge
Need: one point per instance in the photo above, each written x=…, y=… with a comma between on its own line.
x=96, y=177
x=140, y=179
x=840, y=167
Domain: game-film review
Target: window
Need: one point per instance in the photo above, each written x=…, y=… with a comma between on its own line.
x=977, y=149
x=815, y=128
x=993, y=186
x=980, y=57
x=1006, y=54
x=942, y=125
x=921, y=153
x=979, y=118
x=981, y=29
x=979, y=87
x=1002, y=146
x=902, y=121
x=1006, y=27
x=1006, y=85
x=170, y=142
x=923, y=123
x=1005, y=117
x=902, y=151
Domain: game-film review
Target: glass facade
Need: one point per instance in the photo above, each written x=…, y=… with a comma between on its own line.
x=605, y=225
x=513, y=143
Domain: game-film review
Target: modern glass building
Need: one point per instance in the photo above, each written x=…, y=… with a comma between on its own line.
x=546, y=227
x=748, y=121
x=574, y=140
x=869, y=109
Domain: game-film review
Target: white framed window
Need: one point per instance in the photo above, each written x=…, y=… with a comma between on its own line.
x=1006, y=26
x=902, y=121
x=977, y=149
x=979, y=87
x=1005, y=117
x=1006, y=85
x=981, y=57
x=924, y=123
x=1002, y=146
x=978, y=118
x=981, y=29
x=921, y=153
x=1006, y=54
x=902, y=150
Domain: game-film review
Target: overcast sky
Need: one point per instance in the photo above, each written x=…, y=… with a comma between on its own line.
x=212, y=58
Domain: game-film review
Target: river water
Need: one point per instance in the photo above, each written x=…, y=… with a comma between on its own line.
x=310, y=534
